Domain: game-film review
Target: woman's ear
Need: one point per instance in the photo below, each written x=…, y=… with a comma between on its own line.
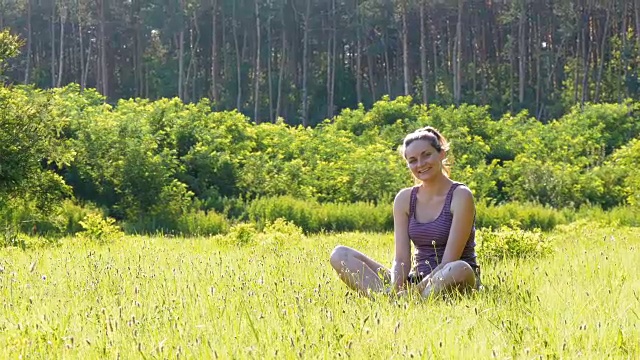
x=443, y=155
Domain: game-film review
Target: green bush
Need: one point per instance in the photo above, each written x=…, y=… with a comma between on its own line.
x=242, y=234
x=355, y=217
x=525, y=216
x=197, y=223
x=618, y=216
x=314, y=217
x=628, y=158
x=511, y=243
x=99, y=229
x=24, y=216
x=280, y=233
x=69, y=215
x=265, y=210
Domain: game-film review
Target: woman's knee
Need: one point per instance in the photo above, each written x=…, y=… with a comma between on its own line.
x=459, y=272
x=339, y=256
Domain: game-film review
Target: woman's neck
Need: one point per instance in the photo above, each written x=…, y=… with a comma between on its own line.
x=436, y=186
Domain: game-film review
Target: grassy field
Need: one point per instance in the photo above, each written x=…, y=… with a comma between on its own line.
x=202, y=298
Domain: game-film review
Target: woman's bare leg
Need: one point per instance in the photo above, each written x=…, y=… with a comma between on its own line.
x=358, y=271
x=455, y=275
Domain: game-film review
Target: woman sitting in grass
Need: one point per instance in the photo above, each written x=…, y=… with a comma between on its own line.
x=437, y=215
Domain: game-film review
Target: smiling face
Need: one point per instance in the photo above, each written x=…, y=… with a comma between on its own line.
x=424, y=161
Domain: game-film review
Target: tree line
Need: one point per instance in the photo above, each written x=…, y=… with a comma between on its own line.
x=165, y=165
x=305, y=60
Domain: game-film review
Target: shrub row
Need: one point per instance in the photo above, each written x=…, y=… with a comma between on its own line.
x=313, y=217
x=310, y=216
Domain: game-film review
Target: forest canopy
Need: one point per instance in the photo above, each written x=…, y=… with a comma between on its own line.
x=306, y=60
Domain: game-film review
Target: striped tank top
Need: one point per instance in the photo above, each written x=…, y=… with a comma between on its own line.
x=430, y=238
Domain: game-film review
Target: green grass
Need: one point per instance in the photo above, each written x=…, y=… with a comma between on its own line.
x=204, y=298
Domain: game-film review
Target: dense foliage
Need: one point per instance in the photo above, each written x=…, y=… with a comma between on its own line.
x=166, y=165
x=305, y=60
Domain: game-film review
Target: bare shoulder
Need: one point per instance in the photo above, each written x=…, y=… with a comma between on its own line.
x=462, y=198
x=402, y=199
x=462, y=191
x=403, y=195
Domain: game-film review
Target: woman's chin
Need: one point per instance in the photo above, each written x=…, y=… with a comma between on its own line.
x=427, y=177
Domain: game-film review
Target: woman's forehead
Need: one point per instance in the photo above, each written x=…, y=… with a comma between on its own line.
x=418, y=146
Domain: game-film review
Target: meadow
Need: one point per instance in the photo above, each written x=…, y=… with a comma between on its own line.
x=276, y=296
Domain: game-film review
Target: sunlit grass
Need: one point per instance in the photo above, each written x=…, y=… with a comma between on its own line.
x=201, y=298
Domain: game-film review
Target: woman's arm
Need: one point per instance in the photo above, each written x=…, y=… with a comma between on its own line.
x=402, y=258
x=463, y=210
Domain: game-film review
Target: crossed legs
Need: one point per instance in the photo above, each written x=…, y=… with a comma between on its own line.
x=365, y=275
x=358, y=271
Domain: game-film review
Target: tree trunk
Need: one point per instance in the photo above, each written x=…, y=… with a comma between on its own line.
x=637, y=13
x=270, y=67
x=474, y=65
x=458, y=56
x=256, y=94
x=522, y=51
x=435, y=62
x=72, y=54
x=329, y=57
x=370, y=68
x=192, y=71
x=103, y=51
x=405, y=49
x=214, y=53
x=63, y=16
x=538, y=60
x=512, y=55
x=281, y=65
x=551, y=77
x=358, y=54
x=180, y=63
x=483, y=66
x=53, y=43
x=579, y=52
x=387, y=70
x=587, y=61
x=245, y=44
x=305, y=65
x=85, y=74
x=622, y=87
x=423, y=53
x=181, y=52
x=80, y=39
x=603, y=43
x=238, y=57
x=224, y=72
x=331, y=61
x=137, y=49
x=140, y=53
x=29, y=37
x=335, y=58
x=146, y=82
